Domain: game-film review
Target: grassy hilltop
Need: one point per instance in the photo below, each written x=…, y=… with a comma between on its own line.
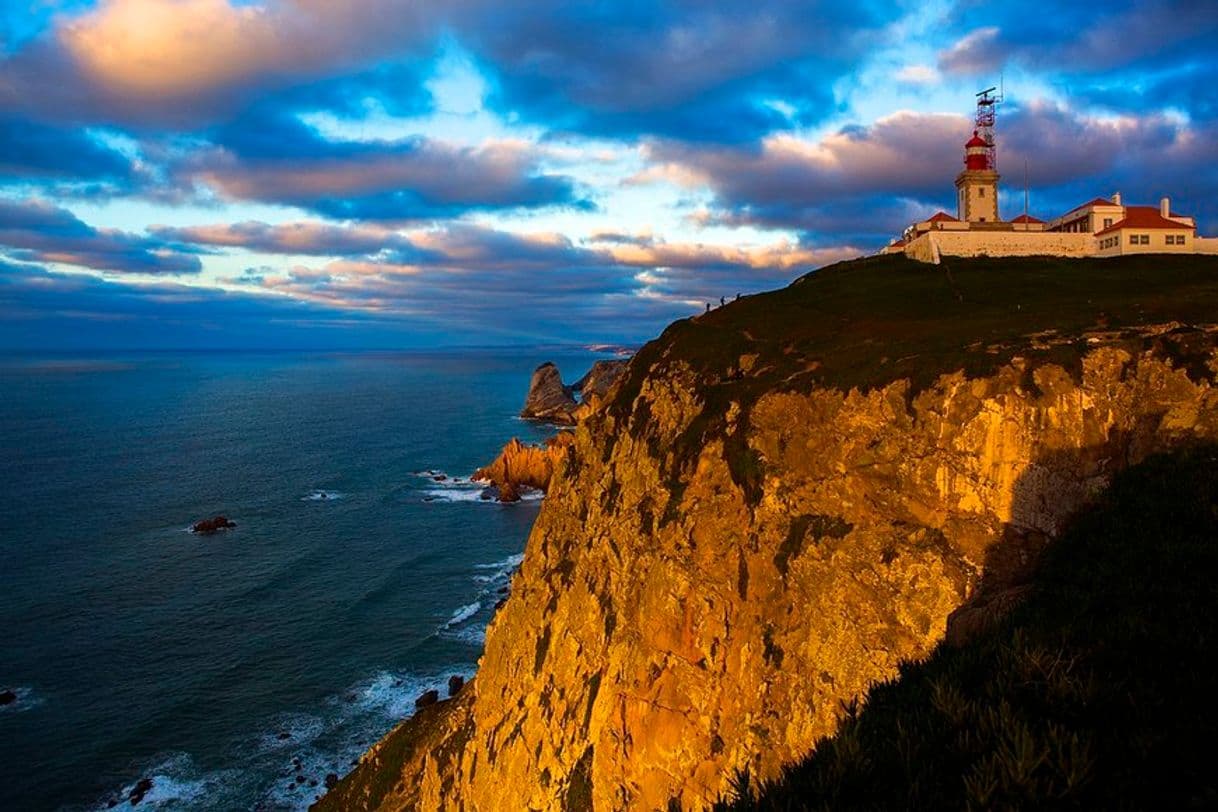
x=868, y=322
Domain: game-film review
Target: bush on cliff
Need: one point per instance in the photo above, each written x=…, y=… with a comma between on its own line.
x=1097, y=693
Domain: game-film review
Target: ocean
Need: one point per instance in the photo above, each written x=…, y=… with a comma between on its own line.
x=237, y=670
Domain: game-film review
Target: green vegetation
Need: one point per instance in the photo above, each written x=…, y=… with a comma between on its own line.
x=870, y=322
x=1096, y=693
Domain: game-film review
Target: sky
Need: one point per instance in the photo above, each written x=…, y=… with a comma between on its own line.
x=419, y=173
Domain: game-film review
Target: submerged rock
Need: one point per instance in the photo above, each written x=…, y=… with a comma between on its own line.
x=7, y=697
x=427, y=698
x=212, y=525
x=141, y=788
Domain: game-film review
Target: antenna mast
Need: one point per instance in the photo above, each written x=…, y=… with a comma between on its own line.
x=986, y=102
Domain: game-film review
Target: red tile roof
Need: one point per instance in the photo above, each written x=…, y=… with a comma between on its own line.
x=1099, y=201
x=1144, y=217
x=942, y=217
x=1026, y=218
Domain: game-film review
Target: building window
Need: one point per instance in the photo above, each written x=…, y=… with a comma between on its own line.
x=1144, y=239
x=981, y=192
x=1133, y=239
x=1107, y=222
x=1171, y=239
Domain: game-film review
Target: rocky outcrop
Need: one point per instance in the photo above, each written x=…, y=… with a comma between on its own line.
x=598, y=380
x=213, y=525
x=524, y=466
x=738, y=544
x=549, y=398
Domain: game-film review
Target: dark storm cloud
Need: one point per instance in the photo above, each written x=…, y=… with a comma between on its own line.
x=29, y=149
x=40, y=232
x=688, y=70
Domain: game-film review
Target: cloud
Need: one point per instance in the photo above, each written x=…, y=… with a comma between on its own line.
x=918, y=75
x=300, y=238
x=976, y=52
x=29, y=149
x=866, y=183
x=153, y=64
x=693, y=71
x=41, y=309
x=277, y=159
x=35, y=231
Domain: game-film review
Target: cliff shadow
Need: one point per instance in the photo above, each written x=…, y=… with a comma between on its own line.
x=1077, y=675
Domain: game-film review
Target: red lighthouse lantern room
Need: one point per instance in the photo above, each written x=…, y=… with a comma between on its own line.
x=977, y=153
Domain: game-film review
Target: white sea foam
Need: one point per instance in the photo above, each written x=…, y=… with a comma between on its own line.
x=322, y=496
x=291, y=730
x=463, y=614
x=509, y=563
x=470, y=635
x=467, y=494
x=325, y=740
x=178, y=783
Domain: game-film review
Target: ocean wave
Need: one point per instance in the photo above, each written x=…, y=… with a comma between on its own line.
x=470, y=635
x=322, y=496
x=291, y=730
x=463, y=614
x=285, y=766
x=509, y=563
x=467, y=494
x=176, y=782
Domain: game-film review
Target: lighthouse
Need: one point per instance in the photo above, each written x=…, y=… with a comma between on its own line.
x=977, y=184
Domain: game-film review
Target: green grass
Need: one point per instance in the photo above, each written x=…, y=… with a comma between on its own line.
x=870, y=322
x=1097, y=693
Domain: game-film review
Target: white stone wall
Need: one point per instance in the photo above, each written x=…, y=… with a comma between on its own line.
x=929, y=247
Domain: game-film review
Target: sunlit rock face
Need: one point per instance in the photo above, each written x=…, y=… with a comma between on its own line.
x=667, y=631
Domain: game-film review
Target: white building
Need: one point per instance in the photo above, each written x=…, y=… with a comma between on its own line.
x=1098, y=228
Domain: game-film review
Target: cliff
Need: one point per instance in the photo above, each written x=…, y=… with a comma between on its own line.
x=789, y=497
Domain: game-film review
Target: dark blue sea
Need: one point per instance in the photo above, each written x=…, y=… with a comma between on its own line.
x=225, y=667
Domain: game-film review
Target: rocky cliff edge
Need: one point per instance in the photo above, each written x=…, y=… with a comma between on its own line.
x=787, y=498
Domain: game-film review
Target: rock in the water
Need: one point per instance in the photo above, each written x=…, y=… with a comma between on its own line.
x=212, y=525
x=140, y=789
x=331, y=780
x=455, y=683
x=523, y=466
x=427, y=698
x=7, y=697
x=600, y=378
x=548, y=398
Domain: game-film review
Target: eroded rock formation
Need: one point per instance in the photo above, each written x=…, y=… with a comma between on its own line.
x=520, y=465
x=726, y=556
x=552, y=400
x=549, y=398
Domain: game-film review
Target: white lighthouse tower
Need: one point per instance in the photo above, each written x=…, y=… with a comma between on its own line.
x=977, y=184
